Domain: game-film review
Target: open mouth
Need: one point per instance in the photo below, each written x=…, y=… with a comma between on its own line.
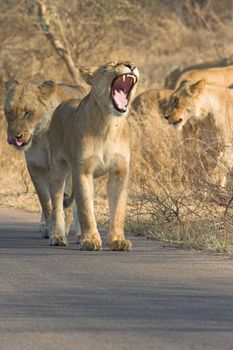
x=18, y=143
x=177, y=122
x=120, y=91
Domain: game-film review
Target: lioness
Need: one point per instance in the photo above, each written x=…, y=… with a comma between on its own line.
x=152, y=100
x=91, y=139
x=221, y=75
x=28, y=109
x=172, y=78
x=202, y=99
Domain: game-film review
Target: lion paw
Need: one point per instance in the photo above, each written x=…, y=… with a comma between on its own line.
x=121, y=245
x=44, y=233
x=44, y=230
x=90, y=244
x=78, y=238
x=58, y=241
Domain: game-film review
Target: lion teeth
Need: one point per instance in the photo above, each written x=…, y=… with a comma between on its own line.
x=123, y=77
x=133, y=77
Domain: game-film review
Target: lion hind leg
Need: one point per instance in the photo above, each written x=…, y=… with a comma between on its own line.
x=57, y=180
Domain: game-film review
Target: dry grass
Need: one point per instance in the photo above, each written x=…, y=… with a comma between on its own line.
x=172, y=195
x=186, y=217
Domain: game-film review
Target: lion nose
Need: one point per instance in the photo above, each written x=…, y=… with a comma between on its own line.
x=130, y=66
x=18, y=136
x=178, y=121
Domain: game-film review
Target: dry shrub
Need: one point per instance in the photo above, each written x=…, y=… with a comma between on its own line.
x=153, y=143
x=174, y=196
x=182, y=217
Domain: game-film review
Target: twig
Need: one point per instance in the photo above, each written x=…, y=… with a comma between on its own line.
x=61, y=49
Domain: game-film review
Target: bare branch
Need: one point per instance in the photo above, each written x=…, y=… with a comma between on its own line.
x=61, y=48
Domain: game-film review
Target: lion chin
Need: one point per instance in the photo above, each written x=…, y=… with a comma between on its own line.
x=25, y=145
x=19, y=143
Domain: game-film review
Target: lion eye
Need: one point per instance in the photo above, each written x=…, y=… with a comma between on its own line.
x=175, y=102
x=9, y=115
x=27, y=114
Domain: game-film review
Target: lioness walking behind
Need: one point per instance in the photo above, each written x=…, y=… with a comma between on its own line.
x=28, y=109
x=202, y=100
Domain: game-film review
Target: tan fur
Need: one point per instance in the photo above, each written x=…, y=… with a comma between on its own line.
x=172, y=78
x=221, y=75
x=152, y=100
x=202, y=99
x=28, y=110
x=92, y=139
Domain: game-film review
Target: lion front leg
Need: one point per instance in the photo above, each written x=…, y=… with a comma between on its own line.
x=43, y=226
x=90, y=238
x=223, y=170
x=117, y=196
x=39, y=178
x=57, y=179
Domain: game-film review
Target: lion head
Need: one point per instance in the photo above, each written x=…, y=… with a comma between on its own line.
x=113, y=86
x=183, y=103
x=26, y=111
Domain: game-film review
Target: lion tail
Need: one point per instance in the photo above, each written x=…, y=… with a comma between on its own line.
x=68, y=200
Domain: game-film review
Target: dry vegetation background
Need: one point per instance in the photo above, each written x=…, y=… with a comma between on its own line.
x=172, y=194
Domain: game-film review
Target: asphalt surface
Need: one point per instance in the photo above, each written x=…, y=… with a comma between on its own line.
x=150, y=298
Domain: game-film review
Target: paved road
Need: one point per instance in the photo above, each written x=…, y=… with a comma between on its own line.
x=150, y=298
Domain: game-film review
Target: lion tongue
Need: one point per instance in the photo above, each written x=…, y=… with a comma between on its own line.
x=120, y=99
x=18, y=143
x=13, y=141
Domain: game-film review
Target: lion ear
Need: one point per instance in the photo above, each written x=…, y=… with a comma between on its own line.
x=230, y=59
x=87, y=74
x=196, y=88
x=47, y=88
x=182, y=85
x=10, y=84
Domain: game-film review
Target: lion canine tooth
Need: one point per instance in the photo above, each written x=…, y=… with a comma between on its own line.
x=123, y=77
